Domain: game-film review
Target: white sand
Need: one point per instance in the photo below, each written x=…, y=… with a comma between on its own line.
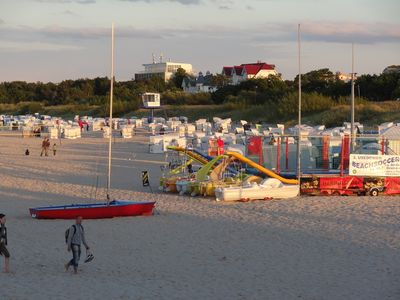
x=305, y=248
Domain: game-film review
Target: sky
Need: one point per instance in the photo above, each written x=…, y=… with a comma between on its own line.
x=55, y=40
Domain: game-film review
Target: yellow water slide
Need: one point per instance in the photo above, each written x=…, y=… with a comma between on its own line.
x=189, y=153
x=260, y=168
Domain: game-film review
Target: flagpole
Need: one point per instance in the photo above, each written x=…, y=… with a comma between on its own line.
x=110, y=120
x=299, y=112
x=352, y=138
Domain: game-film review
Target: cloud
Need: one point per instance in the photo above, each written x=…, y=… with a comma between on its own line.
x=69, y=13
x=362, y=33
x=330, y=32
x=223, y=4
x=36, y=46
x=256, y=36
x=67, y=1
x=184, y=2
x=66, y=35
x=1, y=21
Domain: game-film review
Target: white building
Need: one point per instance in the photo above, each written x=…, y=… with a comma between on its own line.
x=244, y=72
x=162, y=69
x=201, y=84
x=346, y=77
x=391, y=69
x=151, y=100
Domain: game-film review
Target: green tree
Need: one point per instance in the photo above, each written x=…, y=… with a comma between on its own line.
x=219, y=80
x=178, y=77
x=318, y=81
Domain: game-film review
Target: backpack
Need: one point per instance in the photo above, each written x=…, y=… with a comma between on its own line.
x=67, y=233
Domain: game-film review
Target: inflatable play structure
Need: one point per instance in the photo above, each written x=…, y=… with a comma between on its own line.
x=221, y=173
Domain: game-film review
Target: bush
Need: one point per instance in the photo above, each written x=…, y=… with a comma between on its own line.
x=29, y=108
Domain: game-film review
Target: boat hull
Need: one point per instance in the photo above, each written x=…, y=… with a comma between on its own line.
x=270, y=189
x=116, y=208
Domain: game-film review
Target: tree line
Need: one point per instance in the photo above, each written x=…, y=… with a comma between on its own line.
x=319, y=84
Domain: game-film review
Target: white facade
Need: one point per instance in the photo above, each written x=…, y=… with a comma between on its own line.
x=263, y=74
x=151, y=100
x=237, y=78
x=346, y=77
x=164, y=70
x=244, y=72
x=199, y=88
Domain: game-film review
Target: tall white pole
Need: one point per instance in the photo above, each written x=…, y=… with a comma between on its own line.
x=352, y=138
x=299, y=120
x=110, y=120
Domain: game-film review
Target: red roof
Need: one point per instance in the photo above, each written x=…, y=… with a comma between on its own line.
x=227, y=71
x=253, y=69
x=238, y=70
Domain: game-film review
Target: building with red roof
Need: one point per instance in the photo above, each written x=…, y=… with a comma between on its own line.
x=244, y=72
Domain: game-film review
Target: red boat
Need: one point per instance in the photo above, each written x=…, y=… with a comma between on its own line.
x=110, y=209
x=115, y=208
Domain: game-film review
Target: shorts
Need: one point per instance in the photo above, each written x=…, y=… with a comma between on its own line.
x=4, y=251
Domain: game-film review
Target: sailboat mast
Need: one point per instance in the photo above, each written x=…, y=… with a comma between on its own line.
x=352, y=137
x=110, y=120
x=299, y=115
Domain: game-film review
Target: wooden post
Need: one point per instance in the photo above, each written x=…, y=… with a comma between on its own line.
x=278, y=155
x=287, y=153
x=325, y=152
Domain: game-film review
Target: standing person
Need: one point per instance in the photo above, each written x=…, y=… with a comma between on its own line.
x=54, y=149
x=46, y=152
x=76, y=236
x=80, y=123
x=43, y=147
x=3, y=243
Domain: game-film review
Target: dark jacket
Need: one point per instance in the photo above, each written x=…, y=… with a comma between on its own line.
x=3, y=234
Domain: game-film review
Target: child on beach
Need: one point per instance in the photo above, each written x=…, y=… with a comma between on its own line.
x=76, y=236
x=3, y=243
x=54, y=149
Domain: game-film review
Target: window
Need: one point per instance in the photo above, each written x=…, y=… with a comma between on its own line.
x=173, y=68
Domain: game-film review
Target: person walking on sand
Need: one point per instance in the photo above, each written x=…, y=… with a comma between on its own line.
x=46, y=151
x=3, y=243
x=43, y=147
x=54, y=149
x=76, y=236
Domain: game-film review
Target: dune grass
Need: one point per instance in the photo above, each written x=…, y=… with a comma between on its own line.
x=368, y=113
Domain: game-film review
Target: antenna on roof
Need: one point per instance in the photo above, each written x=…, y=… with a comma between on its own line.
x=161, y=57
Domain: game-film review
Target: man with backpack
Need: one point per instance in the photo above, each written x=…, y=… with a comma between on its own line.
x=75, y=236
x=3, y=243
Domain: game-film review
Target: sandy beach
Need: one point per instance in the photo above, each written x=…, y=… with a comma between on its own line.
x=192, y=248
